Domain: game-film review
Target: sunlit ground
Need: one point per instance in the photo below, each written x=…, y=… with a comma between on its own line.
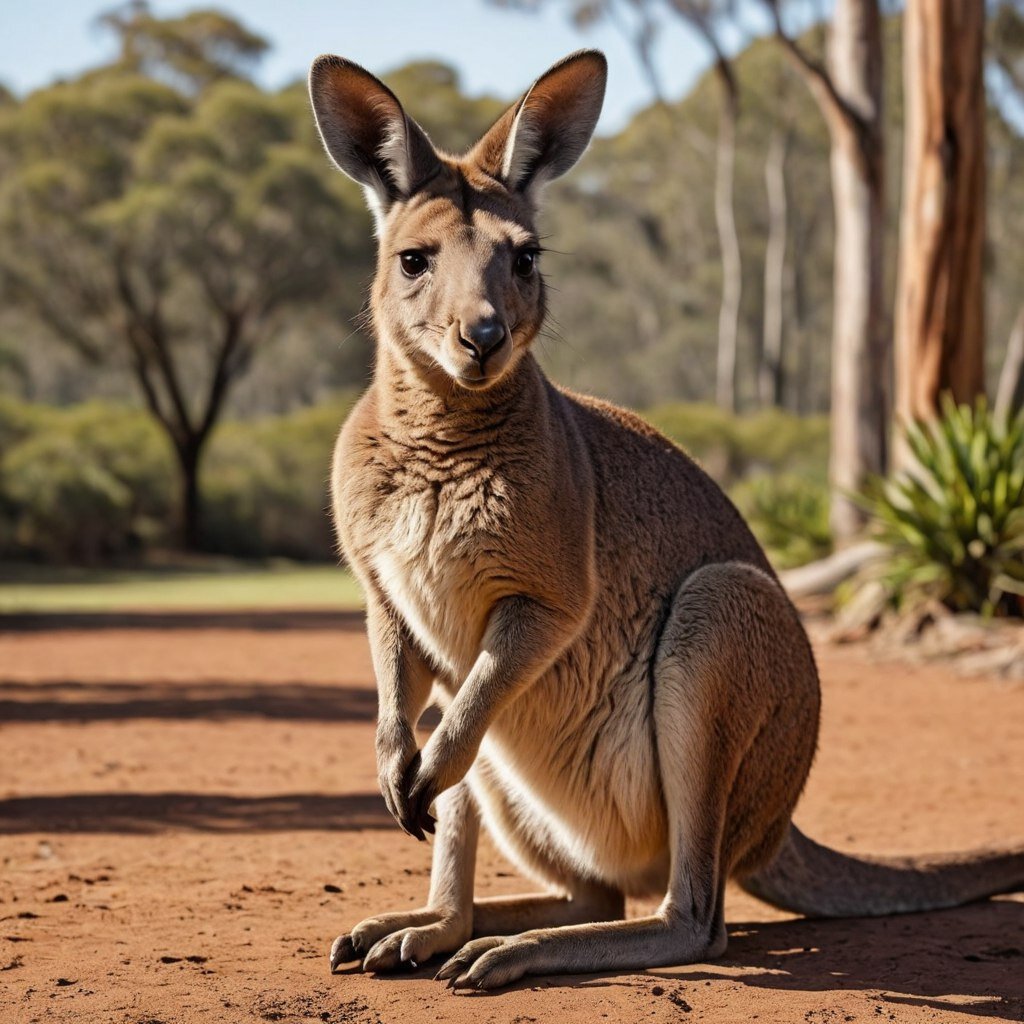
x=43, y=589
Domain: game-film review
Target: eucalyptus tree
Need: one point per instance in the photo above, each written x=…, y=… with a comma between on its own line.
x=940, y=297
x=165, y=216
x=848, y=89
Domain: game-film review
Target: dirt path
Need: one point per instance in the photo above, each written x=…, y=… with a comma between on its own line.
x=189, y=816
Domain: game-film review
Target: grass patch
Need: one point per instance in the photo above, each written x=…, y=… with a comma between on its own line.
x=49, y=589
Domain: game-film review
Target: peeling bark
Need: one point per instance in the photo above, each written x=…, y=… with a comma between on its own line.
x=940, y=330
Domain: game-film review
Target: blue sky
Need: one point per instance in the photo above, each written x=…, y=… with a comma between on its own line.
x=498, y=51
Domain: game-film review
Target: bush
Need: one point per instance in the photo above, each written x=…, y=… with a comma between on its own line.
x=19, y=420
x=789, y=516
x=82, y=484
x=776, y=441
x=99, y=481
x=954, y=519
x=265, y=485
x=733, y=447
x=775, y=465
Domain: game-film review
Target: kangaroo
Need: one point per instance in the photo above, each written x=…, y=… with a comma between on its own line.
x=629, y=700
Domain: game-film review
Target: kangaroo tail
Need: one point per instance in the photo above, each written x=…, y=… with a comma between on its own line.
x=810, y=879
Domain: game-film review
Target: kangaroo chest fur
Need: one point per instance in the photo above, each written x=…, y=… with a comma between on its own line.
x=433, y=515
x=439, y=559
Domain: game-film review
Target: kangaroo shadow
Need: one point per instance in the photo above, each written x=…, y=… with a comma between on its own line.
x=154, y=813
x=973, y=954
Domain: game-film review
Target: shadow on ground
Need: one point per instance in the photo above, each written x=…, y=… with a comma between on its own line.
x=256, y=619
x=968, y=960
x=72, y=701
x=152, y=813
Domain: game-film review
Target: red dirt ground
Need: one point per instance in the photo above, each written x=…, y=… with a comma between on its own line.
x=175, y=801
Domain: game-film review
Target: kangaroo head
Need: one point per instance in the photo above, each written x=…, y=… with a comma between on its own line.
x=458, y=294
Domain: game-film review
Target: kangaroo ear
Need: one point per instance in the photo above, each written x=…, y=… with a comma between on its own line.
x=367, y=133
x=547, y=131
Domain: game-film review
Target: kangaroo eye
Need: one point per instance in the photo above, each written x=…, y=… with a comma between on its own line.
x=525, y=263
x=414, y=263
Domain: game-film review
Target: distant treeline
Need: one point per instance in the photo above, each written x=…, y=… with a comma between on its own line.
x=95, y=483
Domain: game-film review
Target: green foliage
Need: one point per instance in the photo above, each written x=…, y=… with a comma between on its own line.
x=95, y=483
x=166, y=204
x=954, y=518
x=82, y=484
x=732, y=447
x=266, y=485
x=192, y=50
x=18, y=420
x=432, y=94
x=774, y=466
x=170, y=221
x=789, y=516
x=171, y=142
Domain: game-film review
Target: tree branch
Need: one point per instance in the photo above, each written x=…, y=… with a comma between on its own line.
x=141, y=370
x=224, y=370
x=816, y=76
x=150, y=325
x=642, y=42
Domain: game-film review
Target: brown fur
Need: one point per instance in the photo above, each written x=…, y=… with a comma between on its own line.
x=630, y=701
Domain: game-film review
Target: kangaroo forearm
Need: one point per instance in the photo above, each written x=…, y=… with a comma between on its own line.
x=404, y=680
x=404, y=683
x=522, y=640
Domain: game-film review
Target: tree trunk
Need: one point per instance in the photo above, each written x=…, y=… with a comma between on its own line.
x=802, y=398
x=1010, y=396
x=770, y=380
x=190, y=509
x=859, y=335
x=940, y=296
x=725, y=220
x=849, y=94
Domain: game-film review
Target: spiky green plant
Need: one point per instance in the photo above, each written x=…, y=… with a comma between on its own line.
x=954, y=518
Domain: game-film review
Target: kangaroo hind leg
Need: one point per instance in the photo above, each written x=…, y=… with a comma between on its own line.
x=696, y=770
x=708, y=710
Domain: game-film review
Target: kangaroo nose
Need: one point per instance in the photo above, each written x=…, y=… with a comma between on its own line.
x=483, y=337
